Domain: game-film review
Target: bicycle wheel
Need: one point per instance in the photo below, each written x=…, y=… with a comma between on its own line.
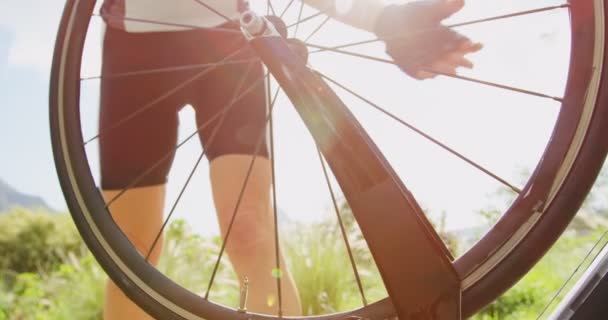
x=534, y=220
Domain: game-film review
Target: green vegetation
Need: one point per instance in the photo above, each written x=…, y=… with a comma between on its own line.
x=59, y=279
x=46, y=272
x=35, y=241
x=534, y=291
x=323, y=273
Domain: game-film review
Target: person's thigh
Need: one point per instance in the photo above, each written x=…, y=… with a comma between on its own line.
x=138, y=119
x=237, y=93
x=138, y=132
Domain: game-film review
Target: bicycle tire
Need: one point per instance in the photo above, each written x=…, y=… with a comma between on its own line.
x=565, y=185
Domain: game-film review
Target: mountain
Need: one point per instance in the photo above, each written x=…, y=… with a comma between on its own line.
x=9, y=197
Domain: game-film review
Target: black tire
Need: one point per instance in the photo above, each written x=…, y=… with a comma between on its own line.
x=558, y=186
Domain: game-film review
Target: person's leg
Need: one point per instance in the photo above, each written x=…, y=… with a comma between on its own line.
x=230, y=148
x=137, y=153
x=139, y=213
x=251, y=245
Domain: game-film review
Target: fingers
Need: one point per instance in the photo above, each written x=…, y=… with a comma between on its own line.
x=423, y=75
x=448, y=63
x=469, y=46
x=442, y=67
x=457, y=56
x=453, y=59
x=446, y=8
x=448, y=40
x=458, y=60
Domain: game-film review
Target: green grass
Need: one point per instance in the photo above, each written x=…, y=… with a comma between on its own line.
x=189, y=259
x=68, y=284
x=74, y=290
x=318, y=259
x=534, y=291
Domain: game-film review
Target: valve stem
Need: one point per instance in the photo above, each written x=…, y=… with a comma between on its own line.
x=244, y=293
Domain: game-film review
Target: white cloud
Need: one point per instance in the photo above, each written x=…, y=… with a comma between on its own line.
x=32, y=25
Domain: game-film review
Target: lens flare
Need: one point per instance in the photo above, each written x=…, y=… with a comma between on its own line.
x=270, y=300
x=277, y=273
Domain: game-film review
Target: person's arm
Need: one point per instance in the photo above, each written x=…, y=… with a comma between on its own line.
x=360, y=14
x=415, y=38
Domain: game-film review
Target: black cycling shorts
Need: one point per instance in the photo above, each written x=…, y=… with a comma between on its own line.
x=130, y=148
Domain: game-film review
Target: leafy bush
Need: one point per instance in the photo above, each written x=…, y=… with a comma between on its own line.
x=73, y=290
x=317, y=256
x=511, y=304
x=35, y=241
x=189, y=259
x=59, y=279
x=528, y=298
x=46, y=271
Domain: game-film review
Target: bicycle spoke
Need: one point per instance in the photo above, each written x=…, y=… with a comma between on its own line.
x=198, y=161
x=181, y=193
x=160, y=98
x=561, y=288
x=210, y=8
x=455, y=76
x=224, y=110
x=170, y=69
x=455, y=25
x=317, y=28
x=509, y=15
x=342, y=229
x=425, y=135
x=169, y=24
x=274, y=197
x=496, y=85
x=286, y=8
x=270, y=8
x=260, y=139
x=295, y=32
x=306, y=19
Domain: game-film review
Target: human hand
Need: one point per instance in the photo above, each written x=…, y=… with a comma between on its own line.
x=417, y=41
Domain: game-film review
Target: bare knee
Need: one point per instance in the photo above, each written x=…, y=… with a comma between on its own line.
x=251, y=233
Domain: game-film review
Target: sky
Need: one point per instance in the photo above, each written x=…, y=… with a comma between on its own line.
x=27, y=31
x=503, y=131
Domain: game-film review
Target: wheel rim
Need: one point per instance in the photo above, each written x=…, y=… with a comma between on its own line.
x=151, y=279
